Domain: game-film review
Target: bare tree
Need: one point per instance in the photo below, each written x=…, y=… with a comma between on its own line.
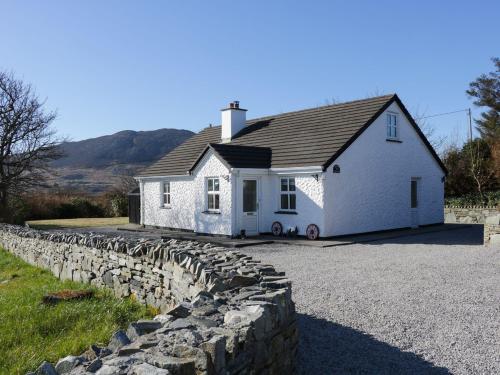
x=27, y=141
x=437, y=142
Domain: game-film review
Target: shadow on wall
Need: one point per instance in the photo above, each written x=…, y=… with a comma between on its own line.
x=453, y=234
x=330, y=348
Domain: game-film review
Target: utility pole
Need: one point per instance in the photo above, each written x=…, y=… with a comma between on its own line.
x=470, y=124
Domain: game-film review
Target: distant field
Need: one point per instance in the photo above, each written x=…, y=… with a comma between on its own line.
x=31, y=331
x=78, y=223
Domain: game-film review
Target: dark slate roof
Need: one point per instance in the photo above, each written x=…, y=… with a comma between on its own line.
x=310, y=137
x=235, y=156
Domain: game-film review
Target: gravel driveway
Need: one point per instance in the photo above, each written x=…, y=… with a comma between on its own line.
x=426, y=304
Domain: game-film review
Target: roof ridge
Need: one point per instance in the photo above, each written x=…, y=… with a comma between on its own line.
x=388, y=96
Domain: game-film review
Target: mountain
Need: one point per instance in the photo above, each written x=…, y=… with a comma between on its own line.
x=124, y=147
x=94, y=165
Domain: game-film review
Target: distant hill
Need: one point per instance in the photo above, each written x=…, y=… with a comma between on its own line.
x=93, y=165
x=125, y=147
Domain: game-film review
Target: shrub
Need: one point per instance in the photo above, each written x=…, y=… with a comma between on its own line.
x=492, y=198
x=119, y=205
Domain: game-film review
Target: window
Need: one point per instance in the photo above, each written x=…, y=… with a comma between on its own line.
x=287, y=194
x=392, y=125
x=414, y=193
x=166, y=194
x=213, y=197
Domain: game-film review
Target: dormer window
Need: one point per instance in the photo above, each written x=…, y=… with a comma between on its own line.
x=392, y=126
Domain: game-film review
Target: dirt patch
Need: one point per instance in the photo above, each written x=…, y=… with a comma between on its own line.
x=66, y=295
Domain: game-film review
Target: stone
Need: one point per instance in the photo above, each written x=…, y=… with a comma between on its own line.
x=163, y=318
x=142, y=327
x=202, y=322
x=495, y=239
x=216, y=351
x=234, y=317
x=108, y=370
x=95, y=365
x=46, y=368
x=176, y=366
x=180, y=324
x=182, y=310
x=495, y=219
x=128, y=350
x=107, y=278
x=146, y=342
x=118, y=340
x=242, y=281
x=202, y=298
x=147, y=369
x=66, y=364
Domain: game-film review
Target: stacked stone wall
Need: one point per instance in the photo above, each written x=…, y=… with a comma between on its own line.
x=492, y=230
x=469, y=214
x=226, y=313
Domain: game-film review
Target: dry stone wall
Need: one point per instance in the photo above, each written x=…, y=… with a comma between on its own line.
x=469, y=214
x=223, y=312
x=492, y=230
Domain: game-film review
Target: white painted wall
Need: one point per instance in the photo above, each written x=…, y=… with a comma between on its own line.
x=188, y=200
x=233, y=121
x=309, y=201
x=372, y=192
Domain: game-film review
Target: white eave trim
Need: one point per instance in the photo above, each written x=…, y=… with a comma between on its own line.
x=140, y=178
x=296, y=170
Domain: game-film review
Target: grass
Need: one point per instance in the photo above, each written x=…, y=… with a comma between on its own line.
x=78, y=223
x=31, y=332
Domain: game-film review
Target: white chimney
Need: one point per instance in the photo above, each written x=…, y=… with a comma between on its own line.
x=233, y=120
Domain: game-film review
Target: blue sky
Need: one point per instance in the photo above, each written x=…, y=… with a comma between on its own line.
x=108, y=66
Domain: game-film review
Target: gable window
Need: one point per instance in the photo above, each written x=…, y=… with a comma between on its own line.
x=166, y=194
x=392, y=126
x=288, y=198
x=213, y=197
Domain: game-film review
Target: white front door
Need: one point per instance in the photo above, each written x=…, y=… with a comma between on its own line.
x=414, y=195
x=250, y=217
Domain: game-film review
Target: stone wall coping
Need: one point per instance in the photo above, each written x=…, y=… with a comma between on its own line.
x=497, y=208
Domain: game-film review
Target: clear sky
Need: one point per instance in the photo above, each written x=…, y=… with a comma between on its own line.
x=108, y=66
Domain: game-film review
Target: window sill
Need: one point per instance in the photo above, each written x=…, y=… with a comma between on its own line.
x=394, y=140
x=286, y=212
x=165, y=207
x=211, y=212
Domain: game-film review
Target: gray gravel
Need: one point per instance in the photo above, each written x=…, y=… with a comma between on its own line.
x=426, y=304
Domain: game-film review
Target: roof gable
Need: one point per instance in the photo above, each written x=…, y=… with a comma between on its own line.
x=311, y=137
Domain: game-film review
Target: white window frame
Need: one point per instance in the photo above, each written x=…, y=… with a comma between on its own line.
x=288, y=193
x=166, y=194
x=213, y=190
x=392, y=128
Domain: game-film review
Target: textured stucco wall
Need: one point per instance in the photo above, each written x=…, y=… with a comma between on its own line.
x=309, y=204
x=188, y=200
x=372, y=192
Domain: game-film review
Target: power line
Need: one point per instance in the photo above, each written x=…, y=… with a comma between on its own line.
x=442, y=114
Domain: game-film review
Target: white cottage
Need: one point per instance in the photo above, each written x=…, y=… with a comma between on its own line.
x=347, y=168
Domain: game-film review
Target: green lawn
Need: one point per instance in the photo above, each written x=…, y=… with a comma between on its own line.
x=31, y=332
x=78, y=223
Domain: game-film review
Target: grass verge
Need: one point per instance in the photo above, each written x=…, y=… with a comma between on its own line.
x=78, y=223
x=31, y=332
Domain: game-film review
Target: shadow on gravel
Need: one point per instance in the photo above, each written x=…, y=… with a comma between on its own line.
x=330, y=348
x=455, y=234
